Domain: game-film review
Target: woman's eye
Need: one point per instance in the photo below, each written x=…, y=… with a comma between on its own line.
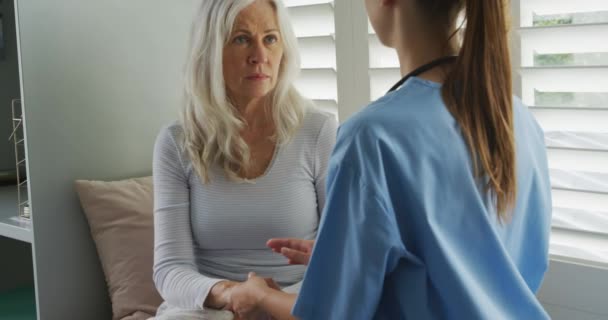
x=271, y=39
x=240, y=40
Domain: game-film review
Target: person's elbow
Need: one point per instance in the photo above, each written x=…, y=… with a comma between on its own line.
x=159, y=275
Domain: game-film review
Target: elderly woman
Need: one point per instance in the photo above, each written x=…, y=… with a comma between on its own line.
x=246, y=162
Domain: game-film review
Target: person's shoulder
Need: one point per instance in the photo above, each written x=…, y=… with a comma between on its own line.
x=521, y=110
x=393, y=112
x=316, y=118
x=412, y=117
x=170, y=134
x=524, y=118
x=318, y=123
x=362, y=130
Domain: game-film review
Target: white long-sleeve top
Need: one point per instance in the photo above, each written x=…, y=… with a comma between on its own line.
x=205, y=233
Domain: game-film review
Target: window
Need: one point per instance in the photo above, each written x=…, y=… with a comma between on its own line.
x=318, y=79
x=563, y=69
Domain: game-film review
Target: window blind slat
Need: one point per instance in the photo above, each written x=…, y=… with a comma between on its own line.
x=582, y=220
x=313, y=22
x=318, y=52
x=572, y=120
x=568, y=45
x=579, y=181
x=569, y=11
x=579, y=245
x=578, y=86
x=318, y=84
x=580, y=200
x=573, y=160
x=577, y=140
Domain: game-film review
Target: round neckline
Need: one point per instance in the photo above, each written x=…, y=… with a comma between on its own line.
x=428, y=82
x=420, y=81
x=268, y=169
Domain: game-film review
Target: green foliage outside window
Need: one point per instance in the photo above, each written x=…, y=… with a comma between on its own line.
x=558, y=59
x=542, y=21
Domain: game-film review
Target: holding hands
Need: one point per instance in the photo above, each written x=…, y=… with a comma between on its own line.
x=242, y=298
x=246, y=299
x=258, y=297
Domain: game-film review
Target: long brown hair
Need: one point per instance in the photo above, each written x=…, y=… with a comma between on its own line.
x=478, y=93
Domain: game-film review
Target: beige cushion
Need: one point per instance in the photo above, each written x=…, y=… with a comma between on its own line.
x=121, y=222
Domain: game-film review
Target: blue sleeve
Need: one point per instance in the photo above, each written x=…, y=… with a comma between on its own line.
x=358, y=244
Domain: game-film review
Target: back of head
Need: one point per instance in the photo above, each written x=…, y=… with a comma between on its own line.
x=210, y=121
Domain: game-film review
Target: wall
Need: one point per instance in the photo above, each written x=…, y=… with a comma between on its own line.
x=575, y=291
x=9, y=84
x=100, y=78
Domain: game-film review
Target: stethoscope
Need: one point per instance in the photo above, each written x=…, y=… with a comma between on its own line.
x=422, y=69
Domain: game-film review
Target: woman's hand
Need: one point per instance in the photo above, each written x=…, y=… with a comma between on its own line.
x=298, y=251
x=219, y=296
x=246, y=298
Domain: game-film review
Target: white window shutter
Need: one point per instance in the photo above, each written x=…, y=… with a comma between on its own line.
x=384, y=66
x=314, y=25
x=564, y=81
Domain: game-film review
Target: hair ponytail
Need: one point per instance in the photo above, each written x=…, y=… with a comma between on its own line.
x=478, y=93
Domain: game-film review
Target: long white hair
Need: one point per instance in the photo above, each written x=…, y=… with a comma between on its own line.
x=211, y=123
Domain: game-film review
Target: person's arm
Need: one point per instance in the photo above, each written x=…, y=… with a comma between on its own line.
x=358, y=244
x=278, y=304
x=326, y=140
x=175, y=273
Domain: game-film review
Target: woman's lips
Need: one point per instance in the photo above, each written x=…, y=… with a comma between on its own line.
x=257, y=77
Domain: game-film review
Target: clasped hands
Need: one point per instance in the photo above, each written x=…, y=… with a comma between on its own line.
x=246, y=299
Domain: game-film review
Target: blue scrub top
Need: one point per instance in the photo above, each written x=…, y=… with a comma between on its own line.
x=409, y=233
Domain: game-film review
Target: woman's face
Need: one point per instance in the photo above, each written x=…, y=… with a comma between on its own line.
x=252, y=57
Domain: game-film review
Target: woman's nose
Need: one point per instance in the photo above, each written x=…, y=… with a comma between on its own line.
x=258, y=54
